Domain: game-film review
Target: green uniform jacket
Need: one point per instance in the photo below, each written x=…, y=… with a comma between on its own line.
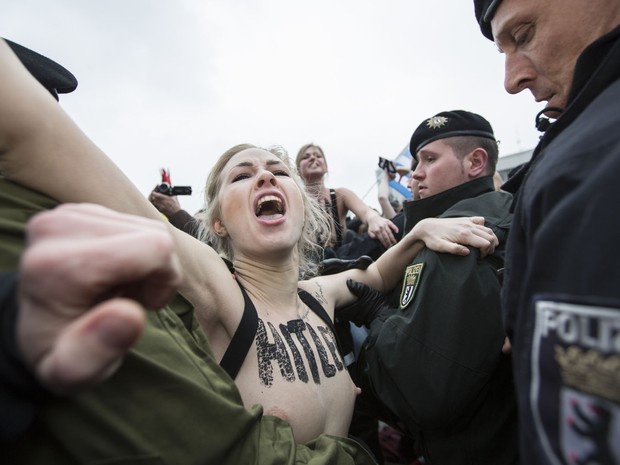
x=169, y=403
x=437, y=362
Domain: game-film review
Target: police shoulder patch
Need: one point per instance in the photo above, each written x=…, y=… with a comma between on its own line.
x=413, y=275
x=575, y=386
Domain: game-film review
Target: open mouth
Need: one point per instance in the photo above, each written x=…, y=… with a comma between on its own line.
x=269, y=205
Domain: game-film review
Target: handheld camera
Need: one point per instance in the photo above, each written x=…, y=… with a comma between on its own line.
x=167, y=188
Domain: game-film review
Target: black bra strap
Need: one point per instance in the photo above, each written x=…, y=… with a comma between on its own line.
x=245, y=334
x=316, y=307
x=242, y=339
x=336, y=217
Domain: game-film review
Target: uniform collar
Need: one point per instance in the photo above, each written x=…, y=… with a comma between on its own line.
x=431, y=207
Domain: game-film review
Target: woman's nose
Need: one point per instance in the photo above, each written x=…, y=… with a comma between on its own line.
x=267, y=177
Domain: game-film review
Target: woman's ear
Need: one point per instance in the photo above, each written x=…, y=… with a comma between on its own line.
x=477, y=162
x=219, y=228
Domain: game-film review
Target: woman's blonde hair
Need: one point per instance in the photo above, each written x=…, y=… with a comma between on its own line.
x=314, y=219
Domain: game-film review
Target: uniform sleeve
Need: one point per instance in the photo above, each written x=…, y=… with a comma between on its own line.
x=431, y=362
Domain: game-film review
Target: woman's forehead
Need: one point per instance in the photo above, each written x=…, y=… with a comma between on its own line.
x=253, y=157
x=313, y=150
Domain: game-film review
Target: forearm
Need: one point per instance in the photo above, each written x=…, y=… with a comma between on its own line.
x=447, y=235
x=378, y=227
x=368, y=216
x=356, y=205
x=386, y=208
x=387, y=271
x=391, y=264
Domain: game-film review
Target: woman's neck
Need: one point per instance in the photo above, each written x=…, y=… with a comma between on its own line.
x=268, y=282
x=316, y=187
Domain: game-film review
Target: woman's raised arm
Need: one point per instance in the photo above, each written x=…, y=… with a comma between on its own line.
x=448, y=235
x=43, y=149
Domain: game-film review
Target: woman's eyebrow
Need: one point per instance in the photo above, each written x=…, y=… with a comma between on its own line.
x=243, y=164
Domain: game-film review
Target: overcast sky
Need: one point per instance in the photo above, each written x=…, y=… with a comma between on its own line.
x=176, y=83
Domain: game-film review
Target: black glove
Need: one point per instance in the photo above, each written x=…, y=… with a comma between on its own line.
x=336, y=265
x=369, y=305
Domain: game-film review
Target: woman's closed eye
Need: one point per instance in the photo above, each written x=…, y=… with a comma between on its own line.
x=240, y=177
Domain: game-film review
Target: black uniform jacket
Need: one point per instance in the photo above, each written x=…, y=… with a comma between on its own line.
x=561, y=293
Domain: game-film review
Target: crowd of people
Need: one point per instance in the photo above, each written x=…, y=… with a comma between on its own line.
x=478, y=320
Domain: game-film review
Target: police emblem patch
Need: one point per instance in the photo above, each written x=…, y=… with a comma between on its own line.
x=436, y=122
x=575, y=389
x=410, y=283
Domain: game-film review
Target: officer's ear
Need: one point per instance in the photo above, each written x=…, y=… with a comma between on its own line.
x=476, y=162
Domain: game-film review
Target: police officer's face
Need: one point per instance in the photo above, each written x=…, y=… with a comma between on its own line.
x=412, y=184
x=438, y=169
x=542, y=40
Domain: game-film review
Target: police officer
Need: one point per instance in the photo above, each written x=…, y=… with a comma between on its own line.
x=434, y=360
x=561, y=295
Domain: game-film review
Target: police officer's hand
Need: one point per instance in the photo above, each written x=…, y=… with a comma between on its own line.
x=84, y=280
x=370, y=304
x=336, y=265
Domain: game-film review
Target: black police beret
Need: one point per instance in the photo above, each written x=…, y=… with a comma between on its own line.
x=449, y=124
x=54, y=77
x=485, y=9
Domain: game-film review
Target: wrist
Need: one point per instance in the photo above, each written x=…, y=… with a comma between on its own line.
x=416, y=233
x=372, y=215
x=419, y=231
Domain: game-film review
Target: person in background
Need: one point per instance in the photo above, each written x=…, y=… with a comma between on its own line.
x=363, y=244
x=433, y=357
x=560, y=293
x=389, y=207
x=337, y=202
